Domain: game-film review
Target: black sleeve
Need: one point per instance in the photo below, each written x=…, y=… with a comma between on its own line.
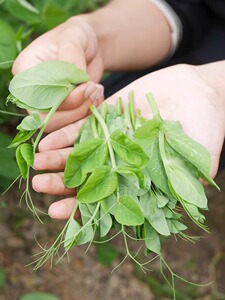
x=195, y=19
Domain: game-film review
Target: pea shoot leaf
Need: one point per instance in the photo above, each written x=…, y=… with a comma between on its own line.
x=154, y=214
x=101, y=184
x=105, y=222
x=189, y=149
x=30, y=123
x=152, y=239
x=21, y=137
x=184, y=184
x=73, y=234
x=128, y=150
x=46, y=84
x=128, y=212
x=84, y=158
x=8, y=49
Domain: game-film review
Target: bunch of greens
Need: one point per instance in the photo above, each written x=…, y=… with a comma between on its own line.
x=40, y=89
x=134, y=177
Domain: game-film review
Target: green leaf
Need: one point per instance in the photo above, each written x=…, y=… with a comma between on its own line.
x=27, y=151
x=22, y=164
x=39, y=296
x=115, y=123
x=73, y=234
x=21, y=137
x=87, y=235
x=107, y=254
x=148, y=130
x=193, y=211
x=101, y=183
x=105, y=222
x=189, y=149
x=24, y=11
x=25, y=158
x=128, y=150
x=175, y=226
x=20, y=104
x=162, y=200
x=46, y=84
x=9, y=168
x=152, y=240
x=84, y=158
x=134, y=175
x=2, y=278
x=154, y=214
x=30, y=123
x=155, y=166
x=53, y=15
x=128, y=212
x=8, y=51
x=109, y=204
x=184, y=184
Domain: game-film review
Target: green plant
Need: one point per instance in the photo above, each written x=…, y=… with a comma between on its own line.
x=134, y=175
x=2, y=278
x=39, y=296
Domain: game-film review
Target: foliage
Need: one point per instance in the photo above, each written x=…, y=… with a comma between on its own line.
x=2, y=278
x=38, y=296
x=133, y=175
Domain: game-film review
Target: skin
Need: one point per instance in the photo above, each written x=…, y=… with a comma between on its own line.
x=123, y=36
x=98, y=42
x=186, y=96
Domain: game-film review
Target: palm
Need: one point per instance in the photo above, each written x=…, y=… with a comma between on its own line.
x=180, y=93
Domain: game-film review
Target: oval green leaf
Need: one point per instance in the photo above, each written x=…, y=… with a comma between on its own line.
x=101, y=183
x=84, y=158
x=32, y=122
x=8, y=49
x=128, y=212
x=46, y=84
x=128, y=150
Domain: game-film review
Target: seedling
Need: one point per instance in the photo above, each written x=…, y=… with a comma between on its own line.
x=136, y=176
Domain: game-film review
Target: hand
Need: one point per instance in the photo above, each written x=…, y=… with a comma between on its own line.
x=182, y=93
x=74, y=41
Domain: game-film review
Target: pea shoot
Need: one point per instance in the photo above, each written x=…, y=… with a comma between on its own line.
x=134, y=177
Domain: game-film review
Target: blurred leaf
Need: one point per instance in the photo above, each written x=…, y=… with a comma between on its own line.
x=39, y=296
x=22, y=12
x=8, y=166
x=8, y=50
x=107, y=254
x=2, y=278
x=54, y=14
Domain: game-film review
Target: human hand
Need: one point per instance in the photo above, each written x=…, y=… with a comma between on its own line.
x=74, y=41
x=182, y=93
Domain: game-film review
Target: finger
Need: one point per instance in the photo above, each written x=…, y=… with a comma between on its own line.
x=52, y=160
x=64, y=118
x=51, y=183
x=61, y=138
x=87, y=91
x=26, y=59
x=69, y=51
x=62, y=209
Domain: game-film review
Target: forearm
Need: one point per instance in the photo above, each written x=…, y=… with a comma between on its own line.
x=132, y=34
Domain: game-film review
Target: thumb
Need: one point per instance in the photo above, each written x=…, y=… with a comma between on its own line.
x=72, y=53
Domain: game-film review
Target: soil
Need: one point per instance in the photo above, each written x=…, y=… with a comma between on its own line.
x=86, y=278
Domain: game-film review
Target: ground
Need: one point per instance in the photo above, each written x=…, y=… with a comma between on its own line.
x=86, y=278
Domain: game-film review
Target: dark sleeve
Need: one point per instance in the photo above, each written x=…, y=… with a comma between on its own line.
x=195, y=19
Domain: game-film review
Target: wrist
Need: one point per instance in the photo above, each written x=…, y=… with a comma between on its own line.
x=213, y=74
